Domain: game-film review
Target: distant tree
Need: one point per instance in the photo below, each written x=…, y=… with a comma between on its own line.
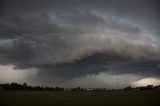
x=25, y=85
x=128, y=88
x=78, y=88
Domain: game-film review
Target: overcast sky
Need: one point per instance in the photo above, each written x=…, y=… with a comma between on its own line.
x=87, y=43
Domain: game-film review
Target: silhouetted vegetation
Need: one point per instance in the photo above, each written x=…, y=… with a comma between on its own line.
x=24, y=86
x=16, y=86
x=142, y=88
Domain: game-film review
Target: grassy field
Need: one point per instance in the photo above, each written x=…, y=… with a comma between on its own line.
x=105, y=98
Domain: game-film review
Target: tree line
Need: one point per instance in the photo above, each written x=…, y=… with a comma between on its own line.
x=24, y=86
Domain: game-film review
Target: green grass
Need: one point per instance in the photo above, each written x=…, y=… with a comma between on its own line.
x=107, y=98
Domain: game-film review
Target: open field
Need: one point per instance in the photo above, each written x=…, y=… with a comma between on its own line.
x=90, y=98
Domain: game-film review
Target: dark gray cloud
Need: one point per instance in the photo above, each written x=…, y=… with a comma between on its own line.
x=76, y=38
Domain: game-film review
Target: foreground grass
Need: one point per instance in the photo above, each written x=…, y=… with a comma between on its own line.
x=107, y=98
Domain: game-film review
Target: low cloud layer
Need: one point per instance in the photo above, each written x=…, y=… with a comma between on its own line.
x=76, y=42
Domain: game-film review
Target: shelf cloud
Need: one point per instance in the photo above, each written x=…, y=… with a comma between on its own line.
x=74, y=39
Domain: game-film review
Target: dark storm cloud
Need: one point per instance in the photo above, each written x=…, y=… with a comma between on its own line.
x=92, y=65
x=88, y=65
x=146, y=68
x=77, y=38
